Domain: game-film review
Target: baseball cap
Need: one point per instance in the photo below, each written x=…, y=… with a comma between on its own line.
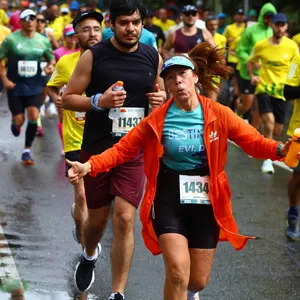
x=74, y=5
x=252, y=13
x=279, y=18
x=239, y=11
x=188, y=8
x=177, y=60
x=221, y=15
x=268, y=14
x=64, y=10
x=25, y=14
x=87, y=14
x=69, y=30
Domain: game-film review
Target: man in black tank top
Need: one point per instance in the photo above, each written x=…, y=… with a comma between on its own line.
x=110, y=114
x=186, y=38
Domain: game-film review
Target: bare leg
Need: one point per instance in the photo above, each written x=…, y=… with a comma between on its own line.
x=177, y=264
x=123, y=243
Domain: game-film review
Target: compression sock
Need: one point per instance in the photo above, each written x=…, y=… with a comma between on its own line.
x=30, y=133
x=293, y=211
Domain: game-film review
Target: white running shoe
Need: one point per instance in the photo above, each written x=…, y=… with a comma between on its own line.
x=267, y=167
x=43, y=110
x=51, y=110
x=196, y=297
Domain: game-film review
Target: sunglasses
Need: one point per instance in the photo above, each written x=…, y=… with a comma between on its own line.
x=190, y=13
x=41, y=20
x=29, y=18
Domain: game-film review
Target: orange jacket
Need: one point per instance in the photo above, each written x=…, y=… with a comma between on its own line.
x=220, y=124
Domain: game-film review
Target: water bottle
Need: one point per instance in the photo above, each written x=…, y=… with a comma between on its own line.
x=291, y=159
x=114, y=113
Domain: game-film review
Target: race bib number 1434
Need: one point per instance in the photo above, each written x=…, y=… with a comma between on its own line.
x=194, y=189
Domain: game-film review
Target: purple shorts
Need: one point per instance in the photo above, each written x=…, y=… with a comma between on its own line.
x=125, y=181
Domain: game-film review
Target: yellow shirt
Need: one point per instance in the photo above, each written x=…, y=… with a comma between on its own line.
x=275, y=63
x=58, y=27
x=165, y=26
x=220, y=40
x=4, y=32
x=296, y=39
x=233, y=32
x=67, y=20
x=3, y=17
x=293, y=79
x=73, y=122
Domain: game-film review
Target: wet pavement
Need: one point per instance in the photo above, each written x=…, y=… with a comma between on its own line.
x=38, y=253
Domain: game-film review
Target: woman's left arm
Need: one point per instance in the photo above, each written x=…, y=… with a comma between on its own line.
x=250, y=140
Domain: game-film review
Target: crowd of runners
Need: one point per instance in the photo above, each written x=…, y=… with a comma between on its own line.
x=145, y=103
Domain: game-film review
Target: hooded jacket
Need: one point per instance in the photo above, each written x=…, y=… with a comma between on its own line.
x=220, y=125
x=251, y=36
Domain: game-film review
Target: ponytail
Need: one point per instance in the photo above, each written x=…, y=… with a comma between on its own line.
x=209, y=62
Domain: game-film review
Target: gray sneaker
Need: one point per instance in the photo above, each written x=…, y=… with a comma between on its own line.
x=292, y=229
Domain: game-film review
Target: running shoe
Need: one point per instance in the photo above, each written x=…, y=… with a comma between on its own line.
x=39, y=131
x=84, y=272
x=197, y=297
x=51, y=110
x=75, y=232
x=267, y=167
x=116, y=296
x=16, y=130
x=292, y=230
x=43, y=110
x=75, y=229
x=26, y=159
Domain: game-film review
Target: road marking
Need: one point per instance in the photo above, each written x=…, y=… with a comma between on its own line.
x=277, y=163
x=8, y=272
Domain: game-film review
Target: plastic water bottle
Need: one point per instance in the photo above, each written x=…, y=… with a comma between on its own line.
x=114, y=113
x=291, y=159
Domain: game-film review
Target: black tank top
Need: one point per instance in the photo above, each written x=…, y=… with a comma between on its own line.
x=136, y=69
x=183, y=43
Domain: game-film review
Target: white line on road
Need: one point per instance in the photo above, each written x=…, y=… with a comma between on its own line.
x=8, y=271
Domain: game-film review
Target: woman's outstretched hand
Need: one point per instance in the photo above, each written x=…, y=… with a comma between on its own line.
x=78, y=170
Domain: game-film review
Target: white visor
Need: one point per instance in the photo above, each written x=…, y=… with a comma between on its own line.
x=26, y=13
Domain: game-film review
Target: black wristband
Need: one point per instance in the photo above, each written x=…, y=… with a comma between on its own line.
x=278, y=152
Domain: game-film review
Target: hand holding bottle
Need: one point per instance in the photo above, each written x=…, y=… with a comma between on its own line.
x=113, y=96
x=293, y=155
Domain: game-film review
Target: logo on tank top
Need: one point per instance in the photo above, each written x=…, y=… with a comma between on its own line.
x=199, y=41
x=19, y=46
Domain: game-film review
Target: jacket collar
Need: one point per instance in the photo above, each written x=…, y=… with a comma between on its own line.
x=157, y=117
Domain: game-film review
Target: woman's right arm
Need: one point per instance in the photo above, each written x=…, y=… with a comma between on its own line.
x=127, y=148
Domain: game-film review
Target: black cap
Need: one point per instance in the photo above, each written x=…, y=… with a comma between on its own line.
x=189, y=8
x=239, y=11
x=87, y=14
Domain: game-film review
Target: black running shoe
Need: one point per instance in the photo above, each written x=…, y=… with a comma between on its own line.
x=16, y=130
x=116, y=296
x=84, y=272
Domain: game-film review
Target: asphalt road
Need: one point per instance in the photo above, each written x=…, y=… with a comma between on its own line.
x=38, y=253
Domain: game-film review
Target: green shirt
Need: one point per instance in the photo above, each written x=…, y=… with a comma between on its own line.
x=24, y=56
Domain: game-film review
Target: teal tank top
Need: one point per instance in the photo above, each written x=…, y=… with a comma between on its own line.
x=182, y=138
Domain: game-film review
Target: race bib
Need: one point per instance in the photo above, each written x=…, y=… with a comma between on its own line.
x=27, y=68
x=125, y=118
x=194, y=189
x=79, y=116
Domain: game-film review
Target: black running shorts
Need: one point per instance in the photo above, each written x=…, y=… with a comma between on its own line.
x=18, y=104
x=194, y=221
x=269, y=104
